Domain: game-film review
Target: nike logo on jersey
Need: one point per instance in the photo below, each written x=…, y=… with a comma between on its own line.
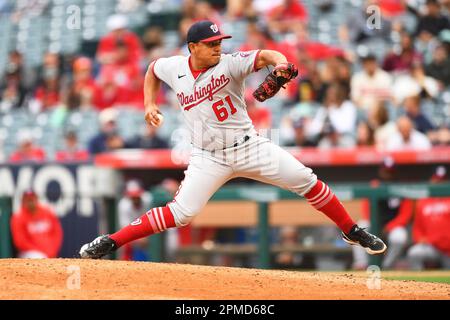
x=181, y=76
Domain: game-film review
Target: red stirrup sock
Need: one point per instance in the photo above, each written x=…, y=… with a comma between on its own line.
x=154, y=221
x=323, y=199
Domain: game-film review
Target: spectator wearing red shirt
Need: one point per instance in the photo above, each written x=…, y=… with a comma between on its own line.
x=107, y=48
x=406, y=59
x=126, y=76
x=110, y=93
x=26, y=150
x=48, y=94
x=431, y=227
x=36, y=230
x=283, y=17
x=71, y=151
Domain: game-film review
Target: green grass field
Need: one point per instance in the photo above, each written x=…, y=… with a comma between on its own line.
x=437, y=276
x=422, y=278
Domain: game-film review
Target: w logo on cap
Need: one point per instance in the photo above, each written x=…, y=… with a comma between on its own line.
x=214, y=28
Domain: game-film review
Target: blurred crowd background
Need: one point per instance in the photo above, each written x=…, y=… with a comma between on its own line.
x=373, y=73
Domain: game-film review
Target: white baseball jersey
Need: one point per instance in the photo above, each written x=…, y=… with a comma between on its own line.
x=214, y=110
x=213, y=104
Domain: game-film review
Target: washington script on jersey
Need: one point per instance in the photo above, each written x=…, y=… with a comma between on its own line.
x=202, y=93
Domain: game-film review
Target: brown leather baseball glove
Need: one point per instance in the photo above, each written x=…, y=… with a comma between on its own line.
x=280, y=75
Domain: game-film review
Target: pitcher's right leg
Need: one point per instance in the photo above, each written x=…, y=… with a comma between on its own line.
x=202, y=179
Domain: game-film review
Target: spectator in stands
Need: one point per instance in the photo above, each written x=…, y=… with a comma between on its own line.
x=148, y=140
x=289, y=237
x=405, y=59
x=83, y=87
x=293, y=125
x=407, y=137
x=52, y=67
x=330, y=72
x=430, y=231
x=300, y=139
x=153, y=43
x=35, y=229
x=108, y=139
x=355, y=29
x=321, y=71
x=122, y=71
x=110, y=94
x=378, y=118
x=188, y=9
x=440, y=136
x=12, y=91
x=108, y=53
x=433, y=22
x=71, y=150
x=429, y=87
x=283, y=18
x=344, y=72
x=412, y=107
x=330, y=138
x=415, y=82
x=26, y=149
x=134, y=202
x=240, y=9
x=26, y=76
x=47, y=94
x=127, y=89
x=205, y=11
x=364, y=135
x=370, y=85
x=183, y=28
x=336, y=119
x=311, y=86
x=439, y=68
x=308, y=48
x=258, y=37
x=394, y=214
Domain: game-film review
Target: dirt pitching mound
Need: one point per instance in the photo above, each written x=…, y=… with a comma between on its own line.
x=105, y=279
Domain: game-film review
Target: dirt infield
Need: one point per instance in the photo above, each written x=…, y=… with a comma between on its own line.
x=104, y=279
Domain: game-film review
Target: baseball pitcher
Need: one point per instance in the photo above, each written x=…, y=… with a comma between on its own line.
x=209, y=86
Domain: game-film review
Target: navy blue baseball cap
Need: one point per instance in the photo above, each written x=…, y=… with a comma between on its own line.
x=205, y=31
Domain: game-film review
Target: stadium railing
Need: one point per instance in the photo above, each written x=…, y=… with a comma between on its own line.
x=5, y=237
